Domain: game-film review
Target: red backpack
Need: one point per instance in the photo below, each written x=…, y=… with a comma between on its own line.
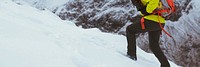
x=165, y=8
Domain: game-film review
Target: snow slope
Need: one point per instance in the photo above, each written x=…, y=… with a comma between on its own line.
x=33, y=38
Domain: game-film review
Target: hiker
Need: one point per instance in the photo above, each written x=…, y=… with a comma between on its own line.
x=151, y=21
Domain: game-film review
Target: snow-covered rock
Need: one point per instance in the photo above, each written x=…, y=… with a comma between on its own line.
x=107, y=15
x=43, y=4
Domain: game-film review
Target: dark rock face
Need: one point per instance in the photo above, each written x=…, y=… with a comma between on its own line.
x=107, y=15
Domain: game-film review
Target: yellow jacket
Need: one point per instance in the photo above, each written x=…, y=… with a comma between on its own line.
x=151, y=5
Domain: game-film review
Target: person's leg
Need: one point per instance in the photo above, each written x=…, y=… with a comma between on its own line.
x=131, y=31
x=155, y=48
x=131, y=40
x=134, y=29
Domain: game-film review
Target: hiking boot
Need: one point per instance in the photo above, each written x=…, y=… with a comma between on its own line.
x=132, y=56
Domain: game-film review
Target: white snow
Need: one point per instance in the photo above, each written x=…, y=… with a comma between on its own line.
x=33, y=38
x=41, y=4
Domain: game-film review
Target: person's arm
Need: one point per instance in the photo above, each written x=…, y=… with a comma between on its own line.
x=152, y=5
x=140, y=7
x=149, y=8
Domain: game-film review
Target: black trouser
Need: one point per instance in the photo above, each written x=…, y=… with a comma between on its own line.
x=154, y=32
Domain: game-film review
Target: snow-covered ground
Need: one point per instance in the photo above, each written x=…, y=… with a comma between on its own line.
x=33, y=38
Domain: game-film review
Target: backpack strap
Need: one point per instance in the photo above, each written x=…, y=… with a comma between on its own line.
x=162, y=26
x=142, y=23
x=159, y=14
